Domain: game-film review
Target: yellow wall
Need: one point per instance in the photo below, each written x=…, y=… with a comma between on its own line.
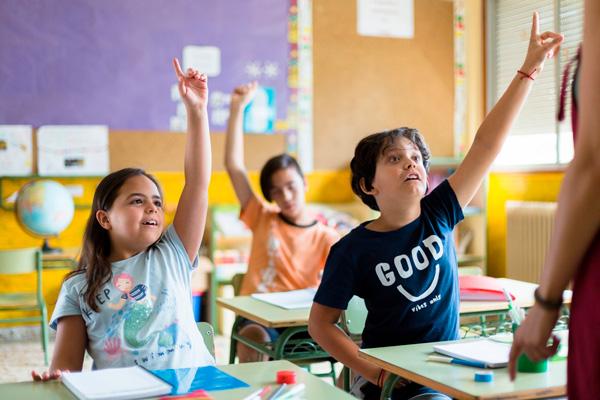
x=503, y=186
x=323, y=187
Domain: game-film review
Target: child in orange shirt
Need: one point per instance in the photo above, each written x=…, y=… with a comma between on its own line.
x=289, y=247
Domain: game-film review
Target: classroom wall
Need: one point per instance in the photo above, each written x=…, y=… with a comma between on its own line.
x=323, y=187
x=518, y=186
x=366, y=84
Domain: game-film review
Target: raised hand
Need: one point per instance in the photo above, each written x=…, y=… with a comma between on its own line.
x=243, y=94
x=47, y=375
x=541, y=47
x=193, y=87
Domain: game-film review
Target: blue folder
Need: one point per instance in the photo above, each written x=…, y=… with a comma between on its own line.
x=185, y=380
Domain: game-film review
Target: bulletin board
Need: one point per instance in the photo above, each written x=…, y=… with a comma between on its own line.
x=363, y=85
x=109, y=62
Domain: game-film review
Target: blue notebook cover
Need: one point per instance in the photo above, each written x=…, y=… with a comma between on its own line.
x=185, y=380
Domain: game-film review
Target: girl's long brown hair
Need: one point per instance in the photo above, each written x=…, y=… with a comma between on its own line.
x=95, y=250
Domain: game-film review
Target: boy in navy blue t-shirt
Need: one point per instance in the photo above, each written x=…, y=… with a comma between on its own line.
x=403, y=264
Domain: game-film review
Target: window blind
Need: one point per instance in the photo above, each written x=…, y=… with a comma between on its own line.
x=511, y=24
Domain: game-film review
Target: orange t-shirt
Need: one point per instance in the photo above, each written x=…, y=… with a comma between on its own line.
x=283, y=256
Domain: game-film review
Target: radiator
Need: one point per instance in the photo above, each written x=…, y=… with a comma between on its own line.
x=528, y=229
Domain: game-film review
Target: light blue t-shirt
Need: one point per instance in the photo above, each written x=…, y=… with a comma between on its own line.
x=145, y=312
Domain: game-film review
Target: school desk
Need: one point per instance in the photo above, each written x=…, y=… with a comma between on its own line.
x=293, y=343
x=410, y=362
x=295, y=321
x=523, y=292
x=256, y=375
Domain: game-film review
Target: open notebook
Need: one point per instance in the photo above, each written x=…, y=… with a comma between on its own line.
x=492, y=353
x=115, y=383
x=293, y=299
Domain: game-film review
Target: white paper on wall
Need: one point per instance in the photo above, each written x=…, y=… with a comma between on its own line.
x=73, y=150
x=206, y=59
x=16, y=157
x=386, y=18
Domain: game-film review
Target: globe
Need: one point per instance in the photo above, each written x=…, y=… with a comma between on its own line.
x=44, y=208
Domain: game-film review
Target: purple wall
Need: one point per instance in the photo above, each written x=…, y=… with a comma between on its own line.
x=109, y=62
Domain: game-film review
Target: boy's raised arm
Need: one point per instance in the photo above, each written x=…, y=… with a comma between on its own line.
x=493, y=131
x=577, y=220
x=234, y=142
x=190, y=216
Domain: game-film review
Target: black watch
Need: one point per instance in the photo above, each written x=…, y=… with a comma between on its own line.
x=545, y=303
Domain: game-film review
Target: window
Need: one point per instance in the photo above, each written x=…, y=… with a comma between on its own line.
x=537, y=138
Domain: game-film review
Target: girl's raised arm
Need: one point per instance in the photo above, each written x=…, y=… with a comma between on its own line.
x=234, y=143
x=190, y=216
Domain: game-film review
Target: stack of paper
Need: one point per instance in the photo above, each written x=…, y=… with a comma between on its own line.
x=115, y=384
x=489, y=352
x=481, y=288
x=293, y=299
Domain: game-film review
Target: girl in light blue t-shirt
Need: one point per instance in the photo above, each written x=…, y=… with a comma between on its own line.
x=129, y=302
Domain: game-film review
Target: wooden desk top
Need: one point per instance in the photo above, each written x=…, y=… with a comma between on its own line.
x=523, y=292
x=256, y=375
x=272, y=316
x=265, y=314
x=410, y=362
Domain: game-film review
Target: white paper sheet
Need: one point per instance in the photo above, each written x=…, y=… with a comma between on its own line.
x=206, y=59
x=293, y=299
x=115, y=384
x=16, y=157
x=385, y=18
x=73, y=150
x=494, y=354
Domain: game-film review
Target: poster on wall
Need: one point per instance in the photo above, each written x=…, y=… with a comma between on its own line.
x=386, y=18
x=119, y=71
x=259, y=115
x=15, y=150
x=73, y=150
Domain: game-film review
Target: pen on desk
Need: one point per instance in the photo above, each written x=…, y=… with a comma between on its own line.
x=449, y=360
x=294, y=390
x=277, y=392
x=258, y=393
x=512, y=308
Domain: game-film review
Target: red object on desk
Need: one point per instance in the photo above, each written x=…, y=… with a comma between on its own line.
x=288, y=377
x=481, y=288
x=196, y=395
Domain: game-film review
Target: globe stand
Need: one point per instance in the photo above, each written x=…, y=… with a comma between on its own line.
x=46, y=249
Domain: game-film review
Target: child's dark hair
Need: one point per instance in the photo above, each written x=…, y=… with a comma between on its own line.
x=96, y=241
x=367, y=153
x=273, y=165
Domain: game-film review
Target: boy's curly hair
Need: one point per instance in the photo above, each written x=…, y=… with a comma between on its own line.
x=367, y=153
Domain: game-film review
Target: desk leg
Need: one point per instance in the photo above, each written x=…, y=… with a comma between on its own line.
x=212, y=301
x=388, y=387
x=233, y=341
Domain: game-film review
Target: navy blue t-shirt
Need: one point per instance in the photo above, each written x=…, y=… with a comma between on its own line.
x=407, y=277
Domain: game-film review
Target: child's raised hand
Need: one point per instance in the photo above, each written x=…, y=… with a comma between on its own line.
x=541, y=47
x=47, y=375
x=193, y=87
x=243, y=94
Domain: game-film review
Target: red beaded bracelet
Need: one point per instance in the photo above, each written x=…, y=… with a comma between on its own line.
x=526, y=75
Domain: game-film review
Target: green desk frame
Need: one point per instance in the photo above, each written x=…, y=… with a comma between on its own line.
x=293, y=344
